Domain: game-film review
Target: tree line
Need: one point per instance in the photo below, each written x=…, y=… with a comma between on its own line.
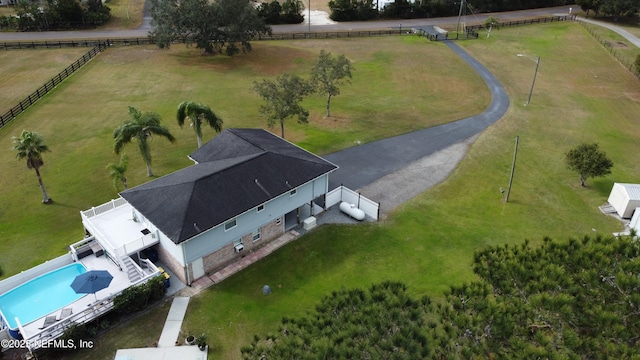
x=34, y=15
x=613, y=8
x=282, y=100
x=361, y=10
x=576, y=299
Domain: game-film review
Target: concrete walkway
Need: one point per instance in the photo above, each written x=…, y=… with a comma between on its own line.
x=206, y=281
x=172, y=325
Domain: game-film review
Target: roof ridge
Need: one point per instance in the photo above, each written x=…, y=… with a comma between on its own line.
x=237, y=133
x=317, y=157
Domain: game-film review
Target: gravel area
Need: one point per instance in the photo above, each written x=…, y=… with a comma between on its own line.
x=403, y=185
x=398, y=187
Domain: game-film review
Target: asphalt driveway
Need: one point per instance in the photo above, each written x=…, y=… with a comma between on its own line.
x=364, y=164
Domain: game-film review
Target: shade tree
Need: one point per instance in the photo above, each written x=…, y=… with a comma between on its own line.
x=329, y=73
x=222, y=26
x=588, y=161
x=282, y=99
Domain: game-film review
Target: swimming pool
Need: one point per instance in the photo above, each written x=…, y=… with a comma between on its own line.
x=40, y=296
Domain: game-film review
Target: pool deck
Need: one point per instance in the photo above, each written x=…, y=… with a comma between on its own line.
x=84, y=309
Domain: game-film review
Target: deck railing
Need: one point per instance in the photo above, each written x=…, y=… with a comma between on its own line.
x=104, y=207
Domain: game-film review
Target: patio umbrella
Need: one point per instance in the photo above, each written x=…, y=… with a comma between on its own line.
x=91, y=282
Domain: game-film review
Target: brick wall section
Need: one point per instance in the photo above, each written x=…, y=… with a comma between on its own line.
x=169, y=261
x=224, y=256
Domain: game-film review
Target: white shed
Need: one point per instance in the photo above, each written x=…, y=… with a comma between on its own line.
x=625, y=198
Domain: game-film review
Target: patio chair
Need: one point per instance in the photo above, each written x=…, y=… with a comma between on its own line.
x=48, y=321
x=65, y=313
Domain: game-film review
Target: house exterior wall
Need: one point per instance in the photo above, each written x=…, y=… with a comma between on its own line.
x=226, y=254
x=170, y=262
x=216, y=238
x=169, y=253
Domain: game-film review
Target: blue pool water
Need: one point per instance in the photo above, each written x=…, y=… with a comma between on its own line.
x=40, y=296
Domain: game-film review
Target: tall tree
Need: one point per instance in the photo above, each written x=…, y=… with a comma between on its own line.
x=329, y=73
x=197, y=113
x=117, y=171
x=30, y=146
x=575, y=299
x=618, y=8
x=141, y=126
x=214, y=26
x=588, y=5
x=588, y=161
x=283, y=98
x=383, y=322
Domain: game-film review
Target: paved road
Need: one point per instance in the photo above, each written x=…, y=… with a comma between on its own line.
x=302, y=28
x=620, y=31
x=364, y=164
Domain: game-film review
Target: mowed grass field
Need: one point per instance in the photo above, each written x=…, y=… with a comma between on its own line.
x=581, y=95
x=23, y=74
x=387, y=97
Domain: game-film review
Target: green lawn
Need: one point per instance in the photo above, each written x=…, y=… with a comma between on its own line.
x=78, y=118
x=23, y=74
x=581, y=94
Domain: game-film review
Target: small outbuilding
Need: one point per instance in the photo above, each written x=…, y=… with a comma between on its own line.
x=625, y=198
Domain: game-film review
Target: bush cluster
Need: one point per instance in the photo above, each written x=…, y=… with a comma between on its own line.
x=274, y=13
x=136, y=298
x=62, y=14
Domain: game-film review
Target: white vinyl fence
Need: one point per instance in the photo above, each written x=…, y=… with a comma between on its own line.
x=341, y=193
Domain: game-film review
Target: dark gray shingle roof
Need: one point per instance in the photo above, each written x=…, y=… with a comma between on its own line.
x=236, y=171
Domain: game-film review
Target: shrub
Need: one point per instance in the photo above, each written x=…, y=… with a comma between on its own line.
x=136, y=298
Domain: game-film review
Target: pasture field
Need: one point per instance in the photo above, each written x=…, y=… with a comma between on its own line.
x=23, y=72
x=581, y=95
x=387, y=97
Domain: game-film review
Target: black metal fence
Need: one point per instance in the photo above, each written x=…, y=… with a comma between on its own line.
x=44, y=89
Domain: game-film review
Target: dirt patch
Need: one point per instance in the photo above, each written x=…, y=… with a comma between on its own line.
x=333, y=122
x=635, y=96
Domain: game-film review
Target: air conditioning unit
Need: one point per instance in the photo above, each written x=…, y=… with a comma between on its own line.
x=238, y=248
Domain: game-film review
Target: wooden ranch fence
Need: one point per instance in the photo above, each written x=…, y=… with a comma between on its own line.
x=44, y=89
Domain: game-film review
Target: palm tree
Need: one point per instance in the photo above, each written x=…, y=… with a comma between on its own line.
x=141, y=126
x=116, y=171
x=29, y=145
x=197, y=113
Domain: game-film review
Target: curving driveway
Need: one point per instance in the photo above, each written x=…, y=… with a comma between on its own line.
x=362, y=165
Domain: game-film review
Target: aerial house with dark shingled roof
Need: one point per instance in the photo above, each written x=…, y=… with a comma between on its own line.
x=241, y=192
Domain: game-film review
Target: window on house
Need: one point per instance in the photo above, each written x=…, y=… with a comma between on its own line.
x=260, y=207
x=293, y=192
x=256, y=235
x=230, y=224
x=237, y=241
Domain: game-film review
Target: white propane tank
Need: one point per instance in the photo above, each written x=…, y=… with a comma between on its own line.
x=352, y=210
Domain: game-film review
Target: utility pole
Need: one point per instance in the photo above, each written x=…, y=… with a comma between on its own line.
x=535, y=73
x=513, y=169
